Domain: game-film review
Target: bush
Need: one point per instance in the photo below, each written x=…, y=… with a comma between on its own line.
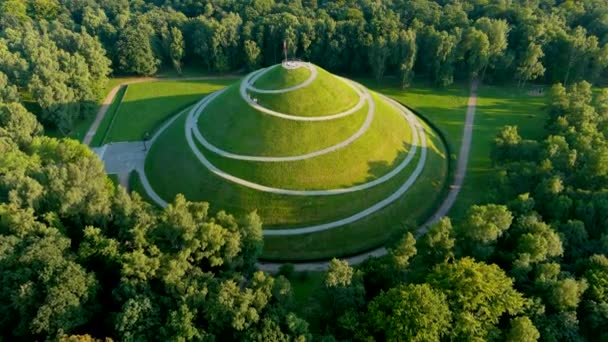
x=286, y=270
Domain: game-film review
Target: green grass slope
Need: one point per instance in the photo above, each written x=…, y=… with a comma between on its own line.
x=380, y=149
x=280, y=78
x=231, y=124
x=326, y=95
x=172, y=168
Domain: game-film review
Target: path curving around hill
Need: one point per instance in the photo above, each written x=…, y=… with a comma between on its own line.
x=226, y=154
x=257, y=74
x=444, y=208
x=417, y=130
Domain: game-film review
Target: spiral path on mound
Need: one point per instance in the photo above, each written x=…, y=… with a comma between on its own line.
x=247, y=85
x=419, y=139
x=190, y=130
x=366, y=124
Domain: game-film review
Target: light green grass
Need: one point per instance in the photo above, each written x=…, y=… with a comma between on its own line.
x=281, y=78
x=381, y=148
x=446, y=107
x=229, y=123
x=146, y=105
x=326, y=95
x=172, y=168
x=496, y=108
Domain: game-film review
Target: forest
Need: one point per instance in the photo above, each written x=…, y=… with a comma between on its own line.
x=82, y=260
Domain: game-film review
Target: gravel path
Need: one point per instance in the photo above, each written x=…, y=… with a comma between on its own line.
x=459, y=176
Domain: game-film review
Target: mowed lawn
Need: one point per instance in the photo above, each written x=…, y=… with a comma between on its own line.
x=278, y=77
x=377, y=152
x=231, y=124
x=496, y=108
x=326, y=95
x=145, y=106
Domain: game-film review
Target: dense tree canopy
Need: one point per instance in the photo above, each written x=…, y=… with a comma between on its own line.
x=81, y=259
x=61, y=49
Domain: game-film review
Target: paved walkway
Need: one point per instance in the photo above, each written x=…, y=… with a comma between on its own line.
x=459, y=176
x=122, y=156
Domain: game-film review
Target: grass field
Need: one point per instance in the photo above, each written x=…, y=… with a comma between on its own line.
x=496, y=108
x=145, y=106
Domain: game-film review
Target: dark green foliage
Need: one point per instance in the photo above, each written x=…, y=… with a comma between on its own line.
x=78, y=255
x=410, y=313
x=478, y=296
x=134, y=51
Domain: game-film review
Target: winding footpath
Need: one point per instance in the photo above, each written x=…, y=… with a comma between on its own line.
x=322, y=265
x=247, y=85
x=461, y=170
x=419, y=138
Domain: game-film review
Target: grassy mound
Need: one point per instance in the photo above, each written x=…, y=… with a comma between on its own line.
x=380, y=149
x=280, y=78
x=229, y=123
x=328, y=94
x=172, y=168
